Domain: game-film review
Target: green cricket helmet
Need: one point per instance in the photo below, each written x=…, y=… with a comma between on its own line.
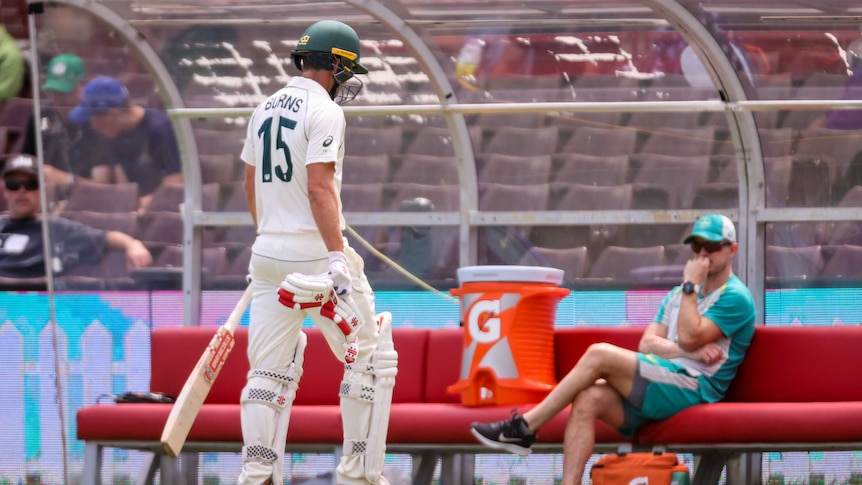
x=324, y=41
x=333, y=37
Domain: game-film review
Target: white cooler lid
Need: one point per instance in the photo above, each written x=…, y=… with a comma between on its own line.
x=504, y=273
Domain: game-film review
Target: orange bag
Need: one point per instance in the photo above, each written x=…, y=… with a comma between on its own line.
x=639, y=469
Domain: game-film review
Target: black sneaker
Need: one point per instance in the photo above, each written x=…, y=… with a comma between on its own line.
x=511, y=435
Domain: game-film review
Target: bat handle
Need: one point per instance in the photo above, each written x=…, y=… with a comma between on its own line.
x=239, y=310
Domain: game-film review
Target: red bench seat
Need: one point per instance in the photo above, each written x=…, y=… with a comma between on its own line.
x=795, y=390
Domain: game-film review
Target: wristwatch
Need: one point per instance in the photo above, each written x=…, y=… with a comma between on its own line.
x=688, y=288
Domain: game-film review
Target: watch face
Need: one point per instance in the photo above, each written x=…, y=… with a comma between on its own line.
x=688, y=288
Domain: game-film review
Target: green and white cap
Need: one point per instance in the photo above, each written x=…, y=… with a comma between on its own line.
x=713, y=227
x=64, y=73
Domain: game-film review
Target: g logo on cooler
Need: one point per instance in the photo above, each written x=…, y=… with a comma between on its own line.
x=484, y=328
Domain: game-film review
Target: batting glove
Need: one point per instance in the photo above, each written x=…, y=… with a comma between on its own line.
x=345, y=314
x=339, y=273
x=300, y=291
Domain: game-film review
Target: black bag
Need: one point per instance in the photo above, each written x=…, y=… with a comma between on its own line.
x=139, y=397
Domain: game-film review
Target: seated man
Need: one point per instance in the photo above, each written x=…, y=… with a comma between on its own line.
x=21, y=242
x=60, y=92
x=687, y=356
x=124, y=142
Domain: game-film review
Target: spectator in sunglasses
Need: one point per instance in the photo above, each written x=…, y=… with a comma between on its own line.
x=21, y=238
x=688, y=355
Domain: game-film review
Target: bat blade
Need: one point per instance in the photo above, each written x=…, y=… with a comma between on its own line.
x=200, y=381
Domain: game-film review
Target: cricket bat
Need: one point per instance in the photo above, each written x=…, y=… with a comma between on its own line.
x=200, y=381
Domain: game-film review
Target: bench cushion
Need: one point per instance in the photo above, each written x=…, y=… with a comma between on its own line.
x=445, y=351
x=176, y=350
x=570, y=343
x=731, y=422
x=800, y=364
x=790, y=389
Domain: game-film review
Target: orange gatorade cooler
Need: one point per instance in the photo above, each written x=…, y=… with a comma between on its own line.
x=508, y=313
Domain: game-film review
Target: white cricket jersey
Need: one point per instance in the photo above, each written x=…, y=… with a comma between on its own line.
x=297, y=126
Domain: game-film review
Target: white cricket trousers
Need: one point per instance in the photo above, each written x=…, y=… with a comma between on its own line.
x=274, y=331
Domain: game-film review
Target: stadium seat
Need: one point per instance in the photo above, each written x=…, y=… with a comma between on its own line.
x=682, y=175
x=109, y=273
x=362, y=198
x=91, y=196
x=650, y=120
x=223, y=168
x=594, y=236
x=570, y=121
x=843, y=232
x=515, y=170
x=618, y=263
x=233, y=237
x=777, y=171
x=444, y=197
x=841, y=147
x=362, y=169
x=436, y=141
x=219, y=142
x=683, y=142
x=125, y=222
x=776, y=142
x=507, y=197
x=234, y=276
x=843, y=261
x=491, y=121
x=4, y=140
x=716, y=196
x=158, y=230
x=234, y=197
x=168, y=197
x=724, y=169
x=577, y=168
x=427, y=169
x=214, y=260
x=16, y=112
x=677, y=254
x=524, y=142
x=811, y=181
x=573, y=261
x=589, y=140
x=373, y=141
x=786, y=264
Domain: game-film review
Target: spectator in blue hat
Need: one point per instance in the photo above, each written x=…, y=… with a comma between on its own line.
x=125, y=142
